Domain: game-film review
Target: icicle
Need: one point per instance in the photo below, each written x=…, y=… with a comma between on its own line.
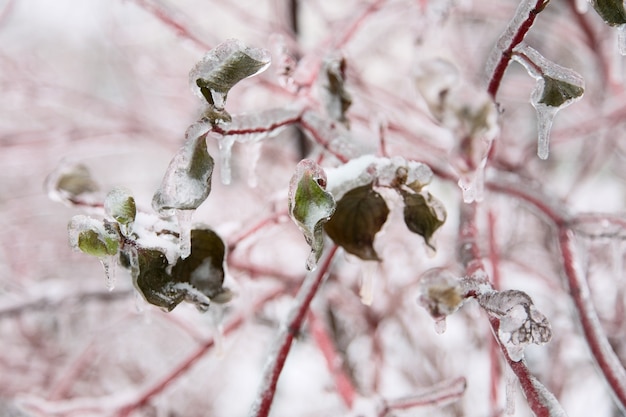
x=216, y=315
x=311, y=261
x=472, y=185
x=184, y=225
x=225, y=145
x=621, y=39
x=368, y=270
x=617, y=259
x=140, y=303
x=253, y=154
x=440, y=325
x=510, y=381
x=110, y=270
x=545, y=117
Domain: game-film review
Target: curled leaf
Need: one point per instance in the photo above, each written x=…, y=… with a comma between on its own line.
x=223, y=67
x=310, y=205
x=611, y=11
x=153, y=281
x=336, y=98
x=120, y=204
x=359, y=215
x=93, y=237
x=187, y=181
x=204, y=268
x=423, y=214
x=68, y=181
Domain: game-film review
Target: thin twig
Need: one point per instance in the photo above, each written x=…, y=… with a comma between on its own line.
x=311, y=284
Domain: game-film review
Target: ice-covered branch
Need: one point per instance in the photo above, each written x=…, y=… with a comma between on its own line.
x=513, y=35
x=438, y=395
x=288, y=332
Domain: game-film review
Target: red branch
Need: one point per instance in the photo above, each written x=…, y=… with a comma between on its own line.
x=506, y=54
x=438, y=395
x=334, y=362
x=312, y=282
x=603, y=354
x=185, y=365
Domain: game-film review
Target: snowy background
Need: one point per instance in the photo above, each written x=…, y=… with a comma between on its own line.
x=105, y=84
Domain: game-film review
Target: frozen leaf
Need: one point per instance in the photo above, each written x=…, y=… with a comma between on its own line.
x=187, y=181
x=120, y=205
x=520, y=322
x=359, y=215
x=557, y=87
x=423, y=214
x=68, y=181
x=93, y=237
x=611, y=11
x=310, y=206
x=336, y=98
x=558, y=92
x=223, y=67
x=153, y=281
x=204, y=268
x=440, y=293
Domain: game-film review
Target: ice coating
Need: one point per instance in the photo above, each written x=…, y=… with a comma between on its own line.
x=225, y=65
x=368, y=271
x=184, y=218
x=110, y=271
x=440, y=293
x=187, y=181
x=545, y=71
x=365, y=169
x=520, y=322
x=621, y=39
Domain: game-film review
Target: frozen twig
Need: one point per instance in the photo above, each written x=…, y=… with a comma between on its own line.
x=541, y=401
x=145, y=397
x=438, y=395
x=289, y=330
x=513, y=35
x=596, y=338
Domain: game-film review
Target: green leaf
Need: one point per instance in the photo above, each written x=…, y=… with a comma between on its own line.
x=611, y=11
x=338, y=99
x=120, y=204
x=187, y=181
x=204, y=268
x=153, y=281
x=360, y=214
x=93, y=237
x=223, y=67
x=558, y=92
x=310, y=206
x=423, y=214
x=76, y=180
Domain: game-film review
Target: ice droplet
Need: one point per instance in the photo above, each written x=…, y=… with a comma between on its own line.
x=368, y=269
x=225, y=145
x=110, y=271
x=545, y=117
x=184, y=225
x=440, y=325
x=621, y=39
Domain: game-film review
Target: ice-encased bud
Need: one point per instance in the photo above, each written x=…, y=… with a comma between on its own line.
x=440, y=293
x=120, y=205
x=93, y=237
x=520, y=322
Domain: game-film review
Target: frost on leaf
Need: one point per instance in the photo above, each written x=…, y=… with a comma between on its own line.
x=423, y=214
x=204, y=268
x=359, y=216
x=611, y=11
x=93, y=237
x=223, y=67
x=520, y=322
x=120, y=205
x=557, y=87
x=310, y=206
x=187, y=181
